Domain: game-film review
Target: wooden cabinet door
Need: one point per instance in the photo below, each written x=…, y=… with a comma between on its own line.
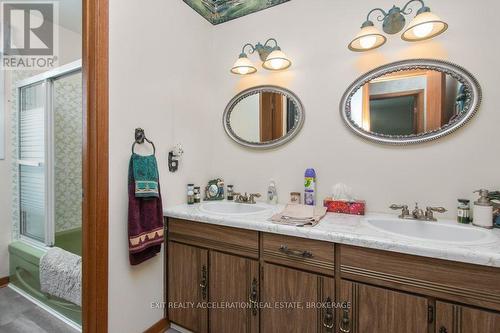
x=234, y=281
x=452, y=318
x=294, y=301
x=188, y=286
x=379, y=310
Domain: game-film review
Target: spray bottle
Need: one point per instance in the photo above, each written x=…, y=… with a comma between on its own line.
x=310, y=187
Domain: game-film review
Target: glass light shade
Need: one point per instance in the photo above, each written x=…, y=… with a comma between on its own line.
x=243, y=66
x=424, y=26
x=277, y=60
x=369, y=38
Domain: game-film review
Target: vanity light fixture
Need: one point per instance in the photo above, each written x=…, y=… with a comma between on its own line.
x=273, y=58
x=424, y=26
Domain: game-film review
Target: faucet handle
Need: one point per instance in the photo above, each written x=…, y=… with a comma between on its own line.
x=429, y=212
x=437, y=209
x=404, y=210
x=252, y=196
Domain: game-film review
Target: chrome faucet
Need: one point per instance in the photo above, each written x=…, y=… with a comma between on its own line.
x=246, y=198
x=417, y=213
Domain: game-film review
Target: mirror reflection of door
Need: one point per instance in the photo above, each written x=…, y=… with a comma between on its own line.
x=400, y=113
x=271, y=116
x=407, y=102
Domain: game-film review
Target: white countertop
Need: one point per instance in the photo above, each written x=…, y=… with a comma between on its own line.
x=354, y=230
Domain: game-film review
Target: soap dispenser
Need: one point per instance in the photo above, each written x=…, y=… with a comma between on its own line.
x=272, y=193
x=483, y=210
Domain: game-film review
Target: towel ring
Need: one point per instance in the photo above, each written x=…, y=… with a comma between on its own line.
x=140, y=137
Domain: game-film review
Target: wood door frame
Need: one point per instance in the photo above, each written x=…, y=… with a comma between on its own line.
x=95, y=166
x=275, y=129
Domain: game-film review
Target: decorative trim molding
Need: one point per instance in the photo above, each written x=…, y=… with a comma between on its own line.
x=474, y=98
x=95, y=166
x=159, y=327
x=256, y=90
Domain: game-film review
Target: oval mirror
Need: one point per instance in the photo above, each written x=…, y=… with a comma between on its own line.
x=263, y=117
x=410, y=101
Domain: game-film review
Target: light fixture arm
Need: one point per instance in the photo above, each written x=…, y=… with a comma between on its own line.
x=272, y=40
x=408, y=10
x=380, y=18
x=252, y=49
x=263, y=49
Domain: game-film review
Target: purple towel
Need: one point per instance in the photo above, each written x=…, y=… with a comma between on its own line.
x=145, y=222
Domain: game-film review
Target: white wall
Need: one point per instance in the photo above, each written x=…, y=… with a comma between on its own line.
x=315, y=35
x=159, y=80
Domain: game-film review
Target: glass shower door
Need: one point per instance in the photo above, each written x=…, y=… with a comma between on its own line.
x=32, y=162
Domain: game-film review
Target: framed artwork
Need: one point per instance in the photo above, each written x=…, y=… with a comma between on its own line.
x=220, y=11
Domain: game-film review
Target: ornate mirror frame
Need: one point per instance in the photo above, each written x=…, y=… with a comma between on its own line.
x=473, y=101
x=256, y=90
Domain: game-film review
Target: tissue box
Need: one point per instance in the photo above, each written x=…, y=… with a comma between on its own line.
x=345, y=207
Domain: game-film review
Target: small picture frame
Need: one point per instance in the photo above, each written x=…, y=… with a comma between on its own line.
x=214, y=190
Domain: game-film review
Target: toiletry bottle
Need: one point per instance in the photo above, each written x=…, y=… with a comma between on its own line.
x=310, y=187
x=230, y=192
x=190, y=194
x=295, y=198
x=483, y=210
x=197, y=194
x=272, y=193
x=463, y=211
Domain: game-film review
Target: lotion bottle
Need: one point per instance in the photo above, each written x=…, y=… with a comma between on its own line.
x=272, y=193
x=483, y=210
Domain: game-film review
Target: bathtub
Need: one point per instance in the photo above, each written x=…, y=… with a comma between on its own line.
x=24, y=259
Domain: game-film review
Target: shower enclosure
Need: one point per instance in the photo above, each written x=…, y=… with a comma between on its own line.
x=47, y=178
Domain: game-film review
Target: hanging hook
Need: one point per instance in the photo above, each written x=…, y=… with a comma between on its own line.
x=140, y=137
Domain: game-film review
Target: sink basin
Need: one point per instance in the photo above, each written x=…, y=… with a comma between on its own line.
x=232, y=208
x=434, y=231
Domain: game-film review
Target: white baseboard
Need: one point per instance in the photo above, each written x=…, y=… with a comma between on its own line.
x=45, y=307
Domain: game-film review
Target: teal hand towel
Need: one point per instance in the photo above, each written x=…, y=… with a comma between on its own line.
x=145, y=176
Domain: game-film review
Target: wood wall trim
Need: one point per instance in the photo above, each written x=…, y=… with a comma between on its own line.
x=95, y=166
x=158, y=327
x=4, y=281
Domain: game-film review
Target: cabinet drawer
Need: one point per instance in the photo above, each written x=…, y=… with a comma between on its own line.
x=231, y=240
x=312, y=255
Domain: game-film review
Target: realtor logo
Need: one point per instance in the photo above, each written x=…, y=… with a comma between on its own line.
x=29, y=35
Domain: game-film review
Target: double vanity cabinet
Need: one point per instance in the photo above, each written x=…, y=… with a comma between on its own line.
x=225, y=279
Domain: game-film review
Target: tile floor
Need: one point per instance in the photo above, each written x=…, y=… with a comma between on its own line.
x=18, y=315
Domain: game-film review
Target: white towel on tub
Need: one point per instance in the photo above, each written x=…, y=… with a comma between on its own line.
x=61, y=275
